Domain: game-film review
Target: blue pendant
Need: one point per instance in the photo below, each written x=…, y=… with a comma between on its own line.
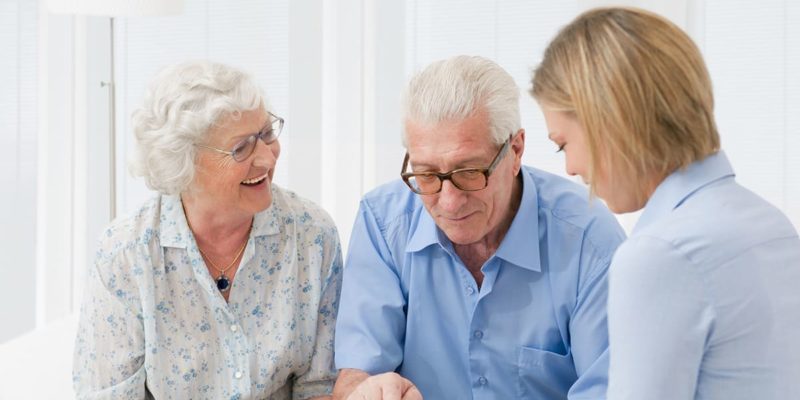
x=223, y=283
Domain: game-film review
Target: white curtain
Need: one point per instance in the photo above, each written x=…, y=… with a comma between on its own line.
x=18, y=133
x=753, y=53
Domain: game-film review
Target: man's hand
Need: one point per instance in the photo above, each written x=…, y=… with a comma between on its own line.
x=387, y=386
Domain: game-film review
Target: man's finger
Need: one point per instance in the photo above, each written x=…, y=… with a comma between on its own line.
x=412, y=393
x=392, y=390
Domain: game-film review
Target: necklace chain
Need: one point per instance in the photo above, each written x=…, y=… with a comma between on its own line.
x=238, y=253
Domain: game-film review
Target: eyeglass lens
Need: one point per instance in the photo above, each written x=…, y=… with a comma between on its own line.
x=464, y=180
x=245, y=148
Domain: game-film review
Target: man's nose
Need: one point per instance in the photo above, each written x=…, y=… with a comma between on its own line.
x=451, y=198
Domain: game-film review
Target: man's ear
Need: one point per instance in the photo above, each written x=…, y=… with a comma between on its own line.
x=518, y=147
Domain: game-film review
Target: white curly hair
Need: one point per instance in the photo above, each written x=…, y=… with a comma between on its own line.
x=180, y=107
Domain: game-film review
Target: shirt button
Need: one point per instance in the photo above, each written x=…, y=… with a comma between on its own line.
x=478, y=334
x=238, y=375
x=470, y=290
x=482, y=381
x=234, y=328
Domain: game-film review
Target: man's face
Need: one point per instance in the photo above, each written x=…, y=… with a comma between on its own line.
x=465, y=217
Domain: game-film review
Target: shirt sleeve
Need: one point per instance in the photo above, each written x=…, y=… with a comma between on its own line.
x=109, y=348
x=659, y=319
x=370, y=330
x=588, y=326
x=321, y=375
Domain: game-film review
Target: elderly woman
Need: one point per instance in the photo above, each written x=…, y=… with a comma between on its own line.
x=703, y=296
x=223, y=286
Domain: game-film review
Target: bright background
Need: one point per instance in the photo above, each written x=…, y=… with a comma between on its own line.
x=335, y=70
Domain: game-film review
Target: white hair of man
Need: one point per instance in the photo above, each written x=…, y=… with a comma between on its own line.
x=456, y=88
x=181, y=106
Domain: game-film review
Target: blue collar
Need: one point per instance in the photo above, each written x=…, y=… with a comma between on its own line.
x=681, y=185
x=520, y=245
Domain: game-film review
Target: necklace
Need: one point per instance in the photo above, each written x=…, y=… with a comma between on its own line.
x=223, y=282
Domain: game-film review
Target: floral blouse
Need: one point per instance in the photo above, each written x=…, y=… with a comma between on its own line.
x=154, y=325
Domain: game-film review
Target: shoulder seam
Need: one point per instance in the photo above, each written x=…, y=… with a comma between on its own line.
x=583, y=229
x=695, y=268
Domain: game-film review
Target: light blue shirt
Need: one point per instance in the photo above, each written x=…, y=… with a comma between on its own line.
x=704, y=298
x=153, y=323
x=536, y=328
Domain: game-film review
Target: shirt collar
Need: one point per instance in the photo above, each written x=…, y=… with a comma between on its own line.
x=517, y=247
x=681, y=185
x=521, y=243
x=175, y=230
x=425, y=234
x=268, y=222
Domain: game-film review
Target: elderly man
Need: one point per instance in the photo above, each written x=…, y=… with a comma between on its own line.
x=474, y=276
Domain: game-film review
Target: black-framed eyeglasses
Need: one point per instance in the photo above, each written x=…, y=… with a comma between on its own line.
x=241, y=151
x=467, y=179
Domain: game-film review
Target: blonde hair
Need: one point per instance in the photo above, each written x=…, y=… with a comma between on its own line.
x=638, y=86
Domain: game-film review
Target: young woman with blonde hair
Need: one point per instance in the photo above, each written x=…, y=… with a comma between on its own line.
x=703, y=298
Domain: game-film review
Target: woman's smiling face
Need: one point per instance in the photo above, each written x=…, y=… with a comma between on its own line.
x=226, y=183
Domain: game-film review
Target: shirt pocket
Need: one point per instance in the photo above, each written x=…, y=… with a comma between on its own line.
x=544, y=374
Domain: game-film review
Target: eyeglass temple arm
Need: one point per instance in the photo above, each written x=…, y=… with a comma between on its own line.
x=230, y=153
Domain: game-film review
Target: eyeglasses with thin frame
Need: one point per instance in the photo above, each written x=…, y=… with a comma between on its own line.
x=467, y=179
x=241, y=151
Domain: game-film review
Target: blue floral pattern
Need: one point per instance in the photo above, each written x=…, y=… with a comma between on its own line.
x=154, y=325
